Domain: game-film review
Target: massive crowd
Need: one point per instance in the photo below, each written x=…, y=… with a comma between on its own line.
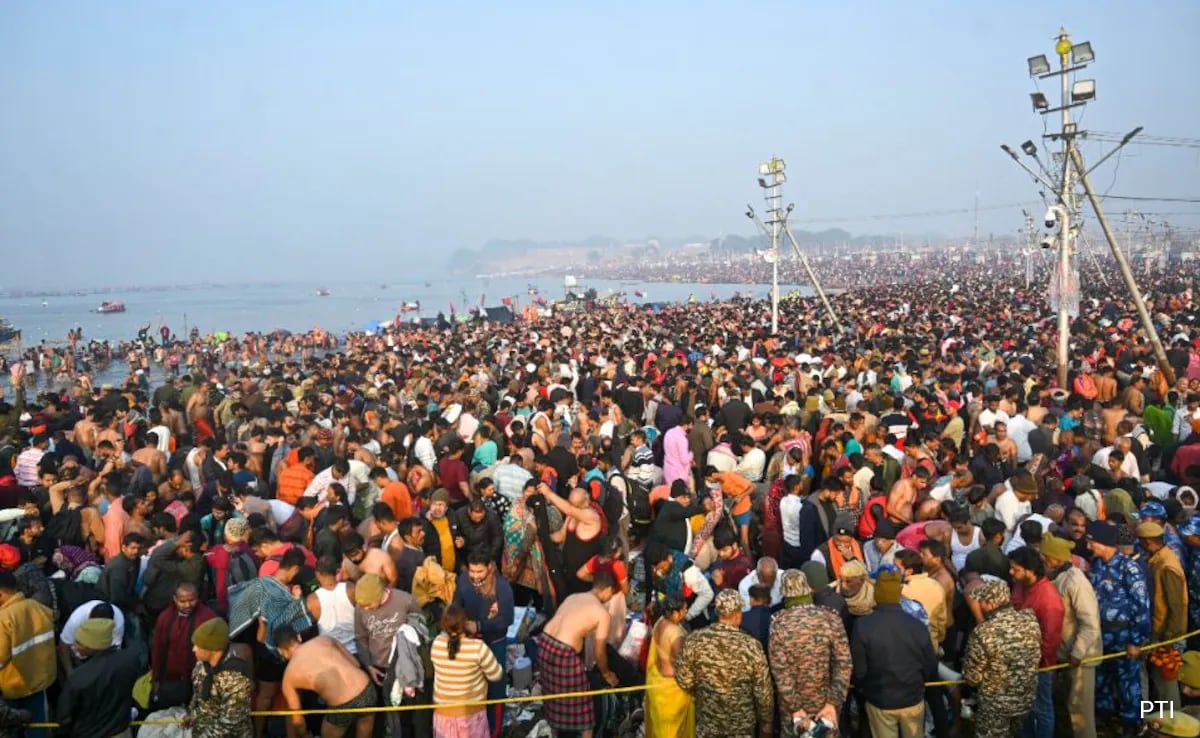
x=891, y=532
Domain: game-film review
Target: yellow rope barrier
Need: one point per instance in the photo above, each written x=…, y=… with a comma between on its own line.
x=589, y=693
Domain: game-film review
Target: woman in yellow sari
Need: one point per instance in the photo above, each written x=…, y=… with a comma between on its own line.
x=669, y=710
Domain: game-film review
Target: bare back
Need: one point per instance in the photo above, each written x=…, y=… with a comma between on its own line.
x=324, y=666
x=578, y=617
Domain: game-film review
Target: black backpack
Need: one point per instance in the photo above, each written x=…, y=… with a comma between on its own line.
x=66, y=527
x=611, y=502
x=637, y=499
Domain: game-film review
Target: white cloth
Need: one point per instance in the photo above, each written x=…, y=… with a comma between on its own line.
x=1009, y=510
x=695, y=579
x=789, y=517
x=321, y=482
x=1017, y=541
x=1019, y=428
x=960, y=551
x=82, y=613
x=281, y=511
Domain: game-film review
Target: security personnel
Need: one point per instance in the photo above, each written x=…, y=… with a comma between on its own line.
x=1189, y=531
x=1155, y=512
x=1124, y=601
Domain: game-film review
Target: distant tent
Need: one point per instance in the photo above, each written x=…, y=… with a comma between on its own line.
x=503, y=314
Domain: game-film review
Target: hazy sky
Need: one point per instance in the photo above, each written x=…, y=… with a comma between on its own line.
x=162, y=141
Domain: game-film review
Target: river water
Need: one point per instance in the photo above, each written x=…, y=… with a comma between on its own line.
x=296, y=307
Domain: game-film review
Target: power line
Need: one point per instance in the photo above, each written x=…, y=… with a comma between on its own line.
x=1146, y=198
x=917, y=214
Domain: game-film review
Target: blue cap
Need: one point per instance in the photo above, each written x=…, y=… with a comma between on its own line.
x=1189, y=527
x=1152, y=510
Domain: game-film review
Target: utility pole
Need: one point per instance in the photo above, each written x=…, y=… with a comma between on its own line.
x=771, y=179
x=1067, y=200
x=1028, y=249
x=1075, y=93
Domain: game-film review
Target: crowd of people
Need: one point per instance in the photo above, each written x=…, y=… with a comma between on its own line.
x=896, y=531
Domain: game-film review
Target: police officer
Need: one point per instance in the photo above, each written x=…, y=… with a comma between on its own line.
x=1124, y=601
x=1155, y=512
x=1189, y=531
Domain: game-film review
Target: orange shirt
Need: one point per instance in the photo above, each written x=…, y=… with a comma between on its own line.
x=397, y=496
x=737, y=488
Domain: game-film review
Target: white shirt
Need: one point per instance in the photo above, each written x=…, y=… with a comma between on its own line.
x=989, y=417
x=281, y=512
x=1017, y=541
x=751, y=580
x=193, y=469
x=82, y=613
x=752, y=464
x=695, y=579
x=1009, y=510
x=321, y=482
x=1129, y=465
x=425, y=453
x=789, y=516
x=1019, y=428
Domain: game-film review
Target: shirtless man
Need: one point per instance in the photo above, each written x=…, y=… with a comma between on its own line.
x=149, y=456
x=325, y=667
x=579, y=617
x=84, y=434
x=361, y=560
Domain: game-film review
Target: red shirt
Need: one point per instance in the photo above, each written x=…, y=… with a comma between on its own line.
x=453, y=473
x=171, y=657
x=1045, y=601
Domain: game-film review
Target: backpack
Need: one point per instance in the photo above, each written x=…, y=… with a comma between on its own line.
x=611, y=502
x=241, y=569
x=875, y=511
x=637, y=500
x=66, y=527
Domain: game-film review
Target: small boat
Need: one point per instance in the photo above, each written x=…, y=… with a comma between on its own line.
x=410, y=307
x=111, y=306
x=383, y=286
x=429, y=284
x=323, y=293
x=8, y=332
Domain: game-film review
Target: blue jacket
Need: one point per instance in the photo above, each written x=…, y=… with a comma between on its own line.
x=494, y=629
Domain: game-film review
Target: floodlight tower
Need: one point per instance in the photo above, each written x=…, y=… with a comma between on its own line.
x=771, y=179
x=1075, y=93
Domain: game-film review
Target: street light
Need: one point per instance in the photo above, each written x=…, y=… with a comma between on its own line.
x=1084, y=90
x=1038, y=65
x=1082, y=53
x=1040, y=103
x=1029, y=148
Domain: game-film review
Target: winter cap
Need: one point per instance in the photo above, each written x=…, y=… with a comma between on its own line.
x=211, y=635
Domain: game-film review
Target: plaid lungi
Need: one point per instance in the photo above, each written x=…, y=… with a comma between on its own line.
x=562, y=672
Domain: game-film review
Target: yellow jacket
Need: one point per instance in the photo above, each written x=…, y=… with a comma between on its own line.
x=27, y=653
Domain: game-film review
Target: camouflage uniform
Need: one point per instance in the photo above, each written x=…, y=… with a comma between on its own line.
x=810, y=660
x=726, y=671
x=1002, y=660
x=1124, y=601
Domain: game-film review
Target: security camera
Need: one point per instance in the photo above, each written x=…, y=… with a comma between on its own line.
x=1051, y=217
x=1048, y=242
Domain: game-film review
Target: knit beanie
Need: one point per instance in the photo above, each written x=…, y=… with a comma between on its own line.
x=211, y=635
x=887, y=587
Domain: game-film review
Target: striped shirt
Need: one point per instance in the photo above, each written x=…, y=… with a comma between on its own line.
x=465, y=677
